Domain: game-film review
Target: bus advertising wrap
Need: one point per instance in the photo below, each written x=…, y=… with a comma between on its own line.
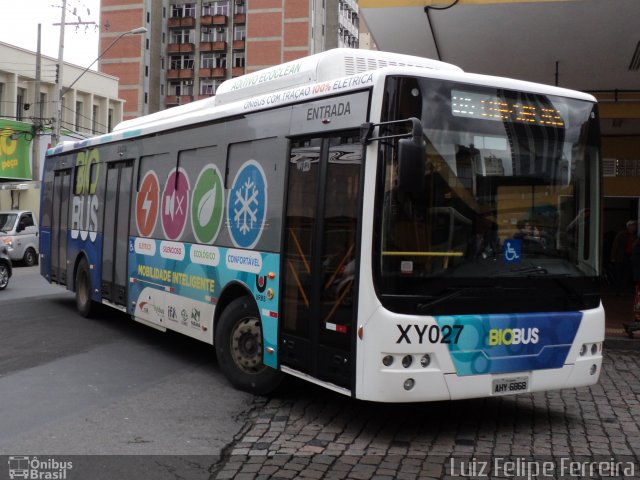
x=177, y=285
x=508, y=343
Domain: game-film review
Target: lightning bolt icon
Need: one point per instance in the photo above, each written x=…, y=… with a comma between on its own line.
x=146, y=206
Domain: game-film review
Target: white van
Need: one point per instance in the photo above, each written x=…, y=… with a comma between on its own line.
x=19, y=233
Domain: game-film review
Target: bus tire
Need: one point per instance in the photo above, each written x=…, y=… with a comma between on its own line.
x=86, y=307
x=239, y=345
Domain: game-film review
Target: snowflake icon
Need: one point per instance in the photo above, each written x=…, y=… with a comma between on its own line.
x=246, y=216
x=247, y=205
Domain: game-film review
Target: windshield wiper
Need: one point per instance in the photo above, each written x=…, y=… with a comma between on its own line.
x=423, y=307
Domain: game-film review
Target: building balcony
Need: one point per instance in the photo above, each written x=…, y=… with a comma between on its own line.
x=237, y=71
x=173, y=100
x=181, y=22
x=180, y=73
x=217, y=72
x=213, y=20
x=213, y=46
x=238, y=44
x=180, y=48
x=239, y=18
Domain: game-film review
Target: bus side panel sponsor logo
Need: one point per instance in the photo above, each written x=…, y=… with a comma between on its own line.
x=247, y=205
x=507, y=343
x=244, y=261
x=207, y=205
x=175, y=204
x=147, y=204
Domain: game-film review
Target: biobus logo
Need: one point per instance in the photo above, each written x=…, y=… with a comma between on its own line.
x=513, y=336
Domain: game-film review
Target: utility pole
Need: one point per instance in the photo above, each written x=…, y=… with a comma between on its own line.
x=37, y=120
x=57, y=119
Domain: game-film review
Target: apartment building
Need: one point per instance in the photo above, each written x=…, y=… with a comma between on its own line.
x=192, y=46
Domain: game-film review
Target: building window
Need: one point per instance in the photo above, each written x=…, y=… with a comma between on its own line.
x=185, y=10
x=239, y=32
x=162, y=89
x=147, y=44
x=181, y=62
x=1, y=98
x=94, y=119
x=182, y=36
x=110, y=120
x=239, y=7
x=221, y=7
x=213, y=60
x=238, y=59
x=208, y=86
x=148, y=17
x=213, y=34
x=22, y=93
x=182, y=87
x=43, y=103
x=146, y=98
x=78, y=122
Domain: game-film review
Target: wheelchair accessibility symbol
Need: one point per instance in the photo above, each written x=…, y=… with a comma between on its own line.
x=512, y=251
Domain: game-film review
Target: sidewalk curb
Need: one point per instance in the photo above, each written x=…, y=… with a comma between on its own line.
x=622, y=343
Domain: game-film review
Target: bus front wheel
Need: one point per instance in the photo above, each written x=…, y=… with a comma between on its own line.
x=84, y=304
x=239, y=347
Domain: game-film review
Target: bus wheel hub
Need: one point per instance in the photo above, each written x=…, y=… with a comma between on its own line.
x=246, y=344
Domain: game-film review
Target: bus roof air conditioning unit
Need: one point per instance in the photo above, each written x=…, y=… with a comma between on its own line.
x=325, y=66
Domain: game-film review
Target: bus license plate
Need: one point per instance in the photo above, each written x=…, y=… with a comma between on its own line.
x=506, y=386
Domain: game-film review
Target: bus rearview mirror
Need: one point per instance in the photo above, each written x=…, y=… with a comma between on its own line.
x=411, y=161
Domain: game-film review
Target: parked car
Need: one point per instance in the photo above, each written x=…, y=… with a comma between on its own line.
x=5, y=267
x=19, y=233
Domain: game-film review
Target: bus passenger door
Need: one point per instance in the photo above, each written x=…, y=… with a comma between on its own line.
x=115, y=237
x=320, y=258
x=60, y=225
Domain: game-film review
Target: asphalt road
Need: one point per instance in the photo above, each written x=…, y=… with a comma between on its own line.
x=107, y=386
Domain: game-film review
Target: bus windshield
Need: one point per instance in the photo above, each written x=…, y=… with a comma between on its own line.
x=508, y=191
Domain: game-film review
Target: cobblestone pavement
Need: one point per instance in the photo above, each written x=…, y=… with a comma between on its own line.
x=308, y=432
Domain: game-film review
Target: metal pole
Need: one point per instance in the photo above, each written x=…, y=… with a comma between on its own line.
x=37, y=121
x=55, y=137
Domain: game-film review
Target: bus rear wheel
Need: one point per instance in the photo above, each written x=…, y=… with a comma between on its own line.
x=86, y=307
x=239, y=348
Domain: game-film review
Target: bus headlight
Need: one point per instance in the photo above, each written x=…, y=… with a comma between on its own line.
x=387, y=360
x=594, y=349
x=594, y=369
x=583, y=350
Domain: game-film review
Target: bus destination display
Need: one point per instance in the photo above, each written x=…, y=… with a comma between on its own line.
x=491, y=107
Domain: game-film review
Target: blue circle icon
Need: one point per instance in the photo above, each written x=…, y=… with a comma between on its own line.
x=247, y=205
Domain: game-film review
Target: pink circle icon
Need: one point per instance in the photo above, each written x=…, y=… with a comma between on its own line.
x=175, y=204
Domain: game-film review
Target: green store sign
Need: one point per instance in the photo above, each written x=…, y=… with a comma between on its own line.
x=15, y=142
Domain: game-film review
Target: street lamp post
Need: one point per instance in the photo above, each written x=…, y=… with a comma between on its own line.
x=62, y=90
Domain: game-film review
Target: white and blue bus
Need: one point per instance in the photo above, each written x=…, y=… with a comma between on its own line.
x=386, y=226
